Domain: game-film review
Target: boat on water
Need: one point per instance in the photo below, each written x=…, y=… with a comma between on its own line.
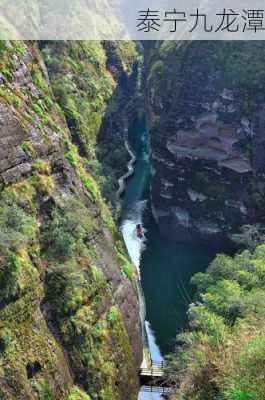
x=139, y=232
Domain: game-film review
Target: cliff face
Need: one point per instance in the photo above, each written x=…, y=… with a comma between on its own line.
x=95, y=85
x=205, y=105
x=69, y=318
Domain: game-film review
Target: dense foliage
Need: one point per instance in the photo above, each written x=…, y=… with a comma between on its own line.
x=222, y=357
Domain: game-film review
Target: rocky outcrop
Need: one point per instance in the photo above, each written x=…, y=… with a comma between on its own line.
x=69, y=312
x=206, y=118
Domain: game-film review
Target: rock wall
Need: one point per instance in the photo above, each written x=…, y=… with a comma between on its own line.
x=95, y=84
x=69, y=315
x=205, y=103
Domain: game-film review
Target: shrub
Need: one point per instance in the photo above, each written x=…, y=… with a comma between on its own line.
x=66, y=233
x=41, y=166
x=28, y=148
x=90, y=185
x=17, y=227
x=2, y=46
x=42, y=388
x=42, y=183
x=58, y=237
x=39, y=110
x=78, y=394
x=222, y=357
x=48, y=102
x=10, y=274
x=246, y=379
x=113, y=314
x=126, y=266
x=39, y=80
x=72, y=157
x=19, y=47
x=5, y=339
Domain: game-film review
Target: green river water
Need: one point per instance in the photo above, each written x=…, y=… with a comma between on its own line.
x=165, y=267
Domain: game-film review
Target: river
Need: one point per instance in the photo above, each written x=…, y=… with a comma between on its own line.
x=165, y=267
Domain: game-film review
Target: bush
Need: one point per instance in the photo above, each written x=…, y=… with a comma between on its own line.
x=41, y=166
x=28, y=148
x=78, y=394
x=2, y=46
x=113, y=314
x=66, y=233
x=246, y=380
x=72, y=157
x=90, y=185
x=222, y=356
x=39, y=80
x=42, y=388
x=10, y=276
x=17, y=227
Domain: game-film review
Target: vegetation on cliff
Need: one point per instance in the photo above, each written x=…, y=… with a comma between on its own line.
x=222, y=356
x=94, y=83
x=206, y=127
x=67, y=300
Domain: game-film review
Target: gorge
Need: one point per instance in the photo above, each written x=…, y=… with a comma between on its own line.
x=71, y=318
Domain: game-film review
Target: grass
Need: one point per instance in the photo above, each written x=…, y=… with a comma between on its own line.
x=41, y=166
x=28, y=148
x=39, y=80
x=113, y=314
x=72, y=156
x=78, y=394
x=2, y=47
x=90, y=185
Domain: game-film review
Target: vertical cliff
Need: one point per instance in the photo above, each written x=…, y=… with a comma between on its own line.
x=95, y=84
x=69, y=318
x=205, y=105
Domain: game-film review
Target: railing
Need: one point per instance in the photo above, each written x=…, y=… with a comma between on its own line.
x=154, y=365
x=156, y=389
x=156, y=370
x=160, y=364
x=153, y=379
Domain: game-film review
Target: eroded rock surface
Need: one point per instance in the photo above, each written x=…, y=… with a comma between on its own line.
x=206, y=117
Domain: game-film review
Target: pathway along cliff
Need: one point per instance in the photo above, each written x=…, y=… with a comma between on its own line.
x=165, y=267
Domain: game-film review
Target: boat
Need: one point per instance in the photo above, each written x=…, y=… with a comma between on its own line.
x=139, y=232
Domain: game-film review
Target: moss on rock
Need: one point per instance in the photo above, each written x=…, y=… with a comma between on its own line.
x=60, y=277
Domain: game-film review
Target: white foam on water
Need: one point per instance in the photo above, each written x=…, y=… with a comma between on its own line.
x=134, y=245
x=153, y=347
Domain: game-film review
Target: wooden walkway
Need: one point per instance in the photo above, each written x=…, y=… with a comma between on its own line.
x=153, y=379
x=154, y=370
x=157, y=389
